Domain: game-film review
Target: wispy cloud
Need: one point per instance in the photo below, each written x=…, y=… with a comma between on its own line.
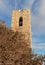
x=38, y=45
x=42, y=8
x=5, y=7
x=28, y=3
x=38, y=18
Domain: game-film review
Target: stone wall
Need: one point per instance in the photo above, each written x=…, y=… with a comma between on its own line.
x=26, y=28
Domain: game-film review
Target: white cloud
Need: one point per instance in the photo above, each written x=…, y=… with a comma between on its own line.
x=27, y=4
x=31, y=2
x=38, y=19
x=42, y=8
x=38, y=25
x=39, y=46
x=2, y=5
x=4, y=9
x=37, y=43
x=17, y=3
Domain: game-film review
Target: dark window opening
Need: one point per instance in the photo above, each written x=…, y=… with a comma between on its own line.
x=20, y=21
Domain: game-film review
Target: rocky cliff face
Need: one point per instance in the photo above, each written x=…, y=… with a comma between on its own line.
x=14, y=49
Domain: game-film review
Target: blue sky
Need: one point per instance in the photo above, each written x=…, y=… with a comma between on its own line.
x=37, y=8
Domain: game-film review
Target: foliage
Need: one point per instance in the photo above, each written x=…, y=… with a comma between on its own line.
x=14, y=49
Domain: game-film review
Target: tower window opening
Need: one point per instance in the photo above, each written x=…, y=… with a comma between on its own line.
x=20, y=21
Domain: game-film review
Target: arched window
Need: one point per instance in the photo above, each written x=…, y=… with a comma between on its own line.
x=20, y=21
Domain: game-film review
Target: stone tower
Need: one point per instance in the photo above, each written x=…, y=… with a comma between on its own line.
x=21, y=22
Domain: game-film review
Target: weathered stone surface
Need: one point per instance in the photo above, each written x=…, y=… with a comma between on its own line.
x=26, y=27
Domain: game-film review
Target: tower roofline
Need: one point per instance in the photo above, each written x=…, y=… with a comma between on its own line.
x=21, y=10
